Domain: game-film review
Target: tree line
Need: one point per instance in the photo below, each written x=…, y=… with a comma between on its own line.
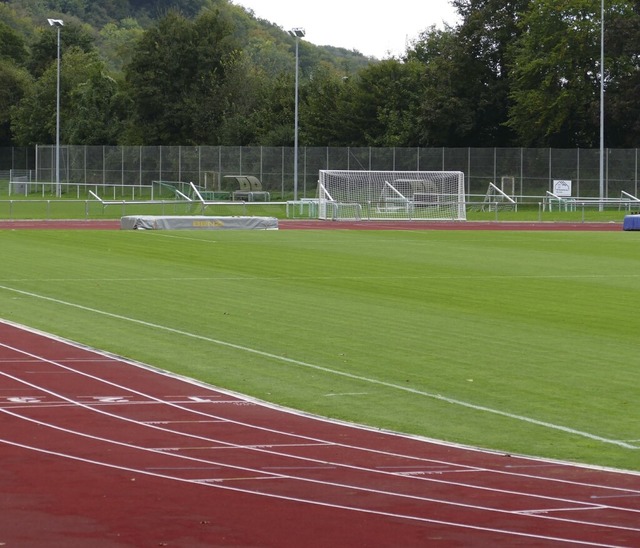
x=206, y=72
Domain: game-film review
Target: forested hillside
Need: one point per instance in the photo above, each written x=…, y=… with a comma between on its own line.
x=198, y=72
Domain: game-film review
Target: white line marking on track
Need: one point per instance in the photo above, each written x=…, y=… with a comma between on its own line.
x=182, y=468
x=438, y=472
x=550, y=510
x=299, y=467
x=224, y=480
x=277, y=445
x=598, y=497
x=183, y=448
x=345, y=374
x=220, y=485
x=213, y=421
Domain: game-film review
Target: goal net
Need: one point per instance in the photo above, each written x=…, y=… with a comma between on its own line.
x=391, y=195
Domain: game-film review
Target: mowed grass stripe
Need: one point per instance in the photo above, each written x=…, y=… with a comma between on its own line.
x=529, y=324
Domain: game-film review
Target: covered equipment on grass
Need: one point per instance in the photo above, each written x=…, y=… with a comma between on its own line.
x=198, y=222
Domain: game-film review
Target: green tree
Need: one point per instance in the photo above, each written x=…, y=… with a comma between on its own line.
x=15, y=83
x=487, y=30
x=12, y=45
x=117, y=41
x=98, y=109
x=383, y=105
x=45, y=50
x=622, y=45
x=323, y=117
x=555, y=88
x=447, y=114
x=156, y=8
x=274, y=117
x=87, y=111
x=238, y=100
x=14, y=79
x=176, y=80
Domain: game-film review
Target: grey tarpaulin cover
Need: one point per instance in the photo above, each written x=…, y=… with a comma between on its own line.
x=200, y=222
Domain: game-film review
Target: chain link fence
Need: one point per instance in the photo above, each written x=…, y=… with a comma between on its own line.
x=526, y=172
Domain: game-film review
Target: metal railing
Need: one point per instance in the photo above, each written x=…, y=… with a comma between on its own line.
x=535, y=209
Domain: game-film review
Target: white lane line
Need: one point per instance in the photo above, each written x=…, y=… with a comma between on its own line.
x=46, y=405
x=213, y=421
x=616, y=496
x=550, y=510
x=174, y=279
x=346, y=394
x=279, y=446
x=345, y=374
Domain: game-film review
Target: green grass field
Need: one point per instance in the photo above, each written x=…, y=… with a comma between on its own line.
x=525, y=342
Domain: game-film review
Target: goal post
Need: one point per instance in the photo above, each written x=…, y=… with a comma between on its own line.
x=437, y=195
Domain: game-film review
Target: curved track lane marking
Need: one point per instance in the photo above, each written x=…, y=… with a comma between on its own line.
x=258, y=447
x=215, y=484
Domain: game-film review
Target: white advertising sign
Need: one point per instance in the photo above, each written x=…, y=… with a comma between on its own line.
x=562, y=187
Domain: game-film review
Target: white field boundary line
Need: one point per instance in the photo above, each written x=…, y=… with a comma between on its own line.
x=264, y=474
x=262, y=449
x=624, y=492
x=293, y=499
x=607, y=276
x=352, y=376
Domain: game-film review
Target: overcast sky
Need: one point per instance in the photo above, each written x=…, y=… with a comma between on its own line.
x=373, y=28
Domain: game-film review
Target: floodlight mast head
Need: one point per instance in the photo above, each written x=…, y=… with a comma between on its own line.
x=56, y=22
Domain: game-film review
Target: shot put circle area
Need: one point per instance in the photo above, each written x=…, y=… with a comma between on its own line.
x=101, y=451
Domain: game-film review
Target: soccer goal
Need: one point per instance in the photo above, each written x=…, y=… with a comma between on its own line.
x=496, y=199
x=438, y=195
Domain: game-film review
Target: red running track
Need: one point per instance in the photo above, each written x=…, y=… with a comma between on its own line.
x=97, y=451
x=342, y=225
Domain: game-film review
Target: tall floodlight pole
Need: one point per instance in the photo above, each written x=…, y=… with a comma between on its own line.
x=57, y=23
x=601, y=208
x=297, y=33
